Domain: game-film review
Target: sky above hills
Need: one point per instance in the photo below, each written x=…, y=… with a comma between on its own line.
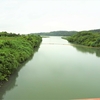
x=30, y=16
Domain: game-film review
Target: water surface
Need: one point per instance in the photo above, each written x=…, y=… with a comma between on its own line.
x=57, y=71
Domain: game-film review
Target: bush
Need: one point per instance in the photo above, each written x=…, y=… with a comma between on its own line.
x=14, y=51
x=85, y=38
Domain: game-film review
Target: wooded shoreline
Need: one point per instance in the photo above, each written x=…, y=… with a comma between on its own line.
x=85, y=38
x=15, y=49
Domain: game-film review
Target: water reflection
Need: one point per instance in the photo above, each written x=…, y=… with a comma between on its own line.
x=88, y=50
x=12, y=81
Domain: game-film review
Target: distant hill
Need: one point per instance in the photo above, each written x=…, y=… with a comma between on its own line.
x=65, y=33
x=57, y=33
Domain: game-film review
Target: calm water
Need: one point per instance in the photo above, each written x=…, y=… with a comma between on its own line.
x=57, y=71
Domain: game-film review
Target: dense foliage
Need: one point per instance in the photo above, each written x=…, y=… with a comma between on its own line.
x=86, y=38
x=14, y=50
x=8, y=34
x=57, y=33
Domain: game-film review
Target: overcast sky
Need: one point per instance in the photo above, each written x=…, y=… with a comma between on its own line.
x=27, y=16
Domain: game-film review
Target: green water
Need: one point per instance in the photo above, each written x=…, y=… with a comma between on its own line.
x=57, y=71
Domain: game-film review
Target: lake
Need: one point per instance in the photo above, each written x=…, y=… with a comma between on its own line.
x=57, y=71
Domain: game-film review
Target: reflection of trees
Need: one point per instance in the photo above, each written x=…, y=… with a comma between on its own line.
x=88, y=50
x=8, y=85
x=12, y=81
x=98, y=53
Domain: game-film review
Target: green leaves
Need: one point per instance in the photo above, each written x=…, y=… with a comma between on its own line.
x=14, y=51
x=86, y=38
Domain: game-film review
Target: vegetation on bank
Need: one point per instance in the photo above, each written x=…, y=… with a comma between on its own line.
x=86, y=38
x=14, y=50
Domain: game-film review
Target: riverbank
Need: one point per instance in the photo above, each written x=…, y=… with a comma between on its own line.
x=79, y=45
x=88, y=39
x=15, y=50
